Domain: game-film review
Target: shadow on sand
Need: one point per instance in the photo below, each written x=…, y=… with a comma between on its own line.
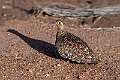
x=39, y=45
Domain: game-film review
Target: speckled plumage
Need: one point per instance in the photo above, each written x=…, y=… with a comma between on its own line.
x=72, y=47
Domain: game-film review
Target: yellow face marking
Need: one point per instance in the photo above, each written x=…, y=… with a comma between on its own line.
x=60, y=25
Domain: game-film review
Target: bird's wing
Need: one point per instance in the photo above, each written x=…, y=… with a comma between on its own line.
x=74, y=39
x=72, y=47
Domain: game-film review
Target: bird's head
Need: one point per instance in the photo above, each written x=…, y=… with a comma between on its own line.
x=60, y=25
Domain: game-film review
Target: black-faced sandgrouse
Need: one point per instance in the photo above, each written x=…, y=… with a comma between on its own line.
x=72, y=47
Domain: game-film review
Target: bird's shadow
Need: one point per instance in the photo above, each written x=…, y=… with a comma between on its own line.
x=39, y=45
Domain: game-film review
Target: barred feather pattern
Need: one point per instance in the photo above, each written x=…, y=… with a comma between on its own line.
x=75, y=49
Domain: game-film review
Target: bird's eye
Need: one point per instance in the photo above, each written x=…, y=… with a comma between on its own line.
x=59, y=22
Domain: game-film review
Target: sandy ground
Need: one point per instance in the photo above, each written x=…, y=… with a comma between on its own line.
x=27, y=44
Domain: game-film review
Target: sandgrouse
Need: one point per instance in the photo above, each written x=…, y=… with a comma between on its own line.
x=72, y=47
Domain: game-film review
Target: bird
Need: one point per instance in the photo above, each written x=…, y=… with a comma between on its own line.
x=73, y=48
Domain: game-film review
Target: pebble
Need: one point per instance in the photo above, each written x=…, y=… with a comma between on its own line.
x=58, y=65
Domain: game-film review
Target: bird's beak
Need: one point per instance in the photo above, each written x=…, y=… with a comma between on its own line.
x=54, y=22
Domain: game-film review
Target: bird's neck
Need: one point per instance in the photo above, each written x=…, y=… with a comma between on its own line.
x=61, y=27
x=61, y=32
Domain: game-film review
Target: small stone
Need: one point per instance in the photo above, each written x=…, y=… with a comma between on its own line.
x=58, y=65
x=41, y=22
x=30, y=70
x=80, y=77
x=4, y=14
x=6, y=7
x=48, y=75
x=113, y=27
x=8, y=34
